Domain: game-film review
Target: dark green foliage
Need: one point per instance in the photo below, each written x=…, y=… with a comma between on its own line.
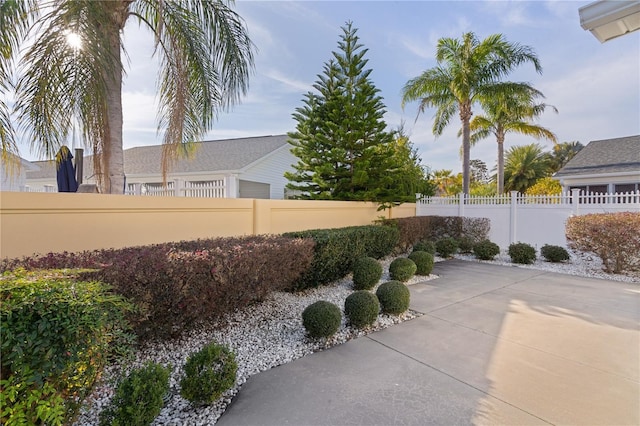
x=554, y=253
x=208, y=373
x=522, y=253
x=366, y=273
x=425, y=245
x=336, y=250
x=321, y=319
x=446, y=247
x=394, y=297
x=402, y=268
x=423, y=261
x=56, y=334
x=139, y=397
x=361, y=308
x=465, y=244
x=486, y=250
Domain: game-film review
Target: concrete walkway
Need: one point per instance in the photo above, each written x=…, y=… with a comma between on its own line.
x=496, y=345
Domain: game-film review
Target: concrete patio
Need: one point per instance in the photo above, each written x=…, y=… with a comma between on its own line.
x=496, y=345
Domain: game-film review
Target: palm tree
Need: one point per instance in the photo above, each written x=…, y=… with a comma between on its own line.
x=524, y=165
x=467, y=70
x=510, y=112
x=562, y=153
x=205, y=60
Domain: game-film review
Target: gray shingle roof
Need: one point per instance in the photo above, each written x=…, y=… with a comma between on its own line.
x=605, y=156
x=210, y=156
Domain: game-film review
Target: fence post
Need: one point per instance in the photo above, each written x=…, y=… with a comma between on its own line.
x=178, y=188
x=575, y=199
x=512, y=217
x=461, y=205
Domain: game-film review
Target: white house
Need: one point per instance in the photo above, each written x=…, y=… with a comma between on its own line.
x=231, y=168
x=604, y=166
x=13, y=172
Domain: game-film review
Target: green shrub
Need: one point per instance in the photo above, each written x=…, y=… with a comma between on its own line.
x=208, y=373
x=394, y=297
x=423, y=261
x=486, y=250
x=614, y=237
x=361, y=308
x=425, y=245
x=402, y=268
x=138, y=398
x=366, y=273
x=56, y=335
x=522, y=253
x=465, y=244
x=475, y=228
x=337, y=249
x=446, y=247
x=554, y=253
x=321, y=319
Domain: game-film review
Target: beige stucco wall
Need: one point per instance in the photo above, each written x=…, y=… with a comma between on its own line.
x=54, y=222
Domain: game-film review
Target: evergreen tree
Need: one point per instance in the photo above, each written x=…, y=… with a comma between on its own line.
x=340, y=131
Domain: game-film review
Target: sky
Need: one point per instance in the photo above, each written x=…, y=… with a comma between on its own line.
x=595, y=86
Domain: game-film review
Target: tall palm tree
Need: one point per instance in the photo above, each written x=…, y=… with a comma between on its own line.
x=205, y=60
x=524, y=165
x=510, y=112
x=468, y=69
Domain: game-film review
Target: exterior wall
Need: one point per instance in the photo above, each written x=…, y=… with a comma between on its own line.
x=271, y=170
x=55, y=222
x=568, y=181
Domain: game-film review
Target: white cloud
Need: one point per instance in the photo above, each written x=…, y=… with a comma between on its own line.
x=290, y=84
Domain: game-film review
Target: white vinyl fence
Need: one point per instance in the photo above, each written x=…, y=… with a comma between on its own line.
x=179, y=188
x=536, y=220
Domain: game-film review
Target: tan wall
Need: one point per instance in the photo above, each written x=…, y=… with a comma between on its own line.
x=54, y=222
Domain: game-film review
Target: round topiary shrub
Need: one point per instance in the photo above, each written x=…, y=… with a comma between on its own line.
x=394, y=297
x=423, y=261
x=208, y=373
x=402, y=268
x=366, y=273
x=465, y=244
x=554, y=253
x=321, y=319
x=522, y=253
x=138, y=398
x=425, y=245
x=446, y=247
x=361, y=308
x=486, y=250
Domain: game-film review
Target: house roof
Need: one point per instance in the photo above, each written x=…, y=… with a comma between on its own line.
x=225, y=155
x=607, y=156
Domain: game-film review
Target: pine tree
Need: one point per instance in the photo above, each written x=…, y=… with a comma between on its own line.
x=340, y=130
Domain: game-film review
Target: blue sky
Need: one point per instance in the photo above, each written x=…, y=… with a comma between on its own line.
x=596, y=87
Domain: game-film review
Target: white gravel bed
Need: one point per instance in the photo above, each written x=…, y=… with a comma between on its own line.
x=262, y=336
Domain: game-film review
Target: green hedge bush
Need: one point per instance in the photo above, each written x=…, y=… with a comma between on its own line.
x=423, y=261
x=425, y=245
x=402, y=268
x=465, y=244
x=321, y=319
x=56, y=335
x=486, y=250
x=361, y=308
x=554, y=253
x=208, y=373
x=139, y=397
x=446, y=247
x=522, y=253
x=366, y=273
x=394, y=297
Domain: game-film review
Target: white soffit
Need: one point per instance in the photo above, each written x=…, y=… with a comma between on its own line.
x=608, y=19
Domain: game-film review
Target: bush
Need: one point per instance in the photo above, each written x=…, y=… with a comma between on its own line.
x=554, y=253
x=394, y=297
x=208, y=373
x=366, y=273
x=446, y=247
x=56, y=335
x=361, y=308
x=486, y=250
x=465, y=244
x=410, y=230
x=475, y=228
x=614, y=237
x=423, y=261
x=139, y=397
x=402, y=268
x=522, y=253
x=321, y=319
x=337, y=249
x=425, y=245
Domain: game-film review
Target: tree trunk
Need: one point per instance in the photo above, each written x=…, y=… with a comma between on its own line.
x=500, y=177
x=465, y=117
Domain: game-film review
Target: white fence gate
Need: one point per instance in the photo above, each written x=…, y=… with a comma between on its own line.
x=536, y=220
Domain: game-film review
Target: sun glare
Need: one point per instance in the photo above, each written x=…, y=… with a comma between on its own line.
x=74, y=40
